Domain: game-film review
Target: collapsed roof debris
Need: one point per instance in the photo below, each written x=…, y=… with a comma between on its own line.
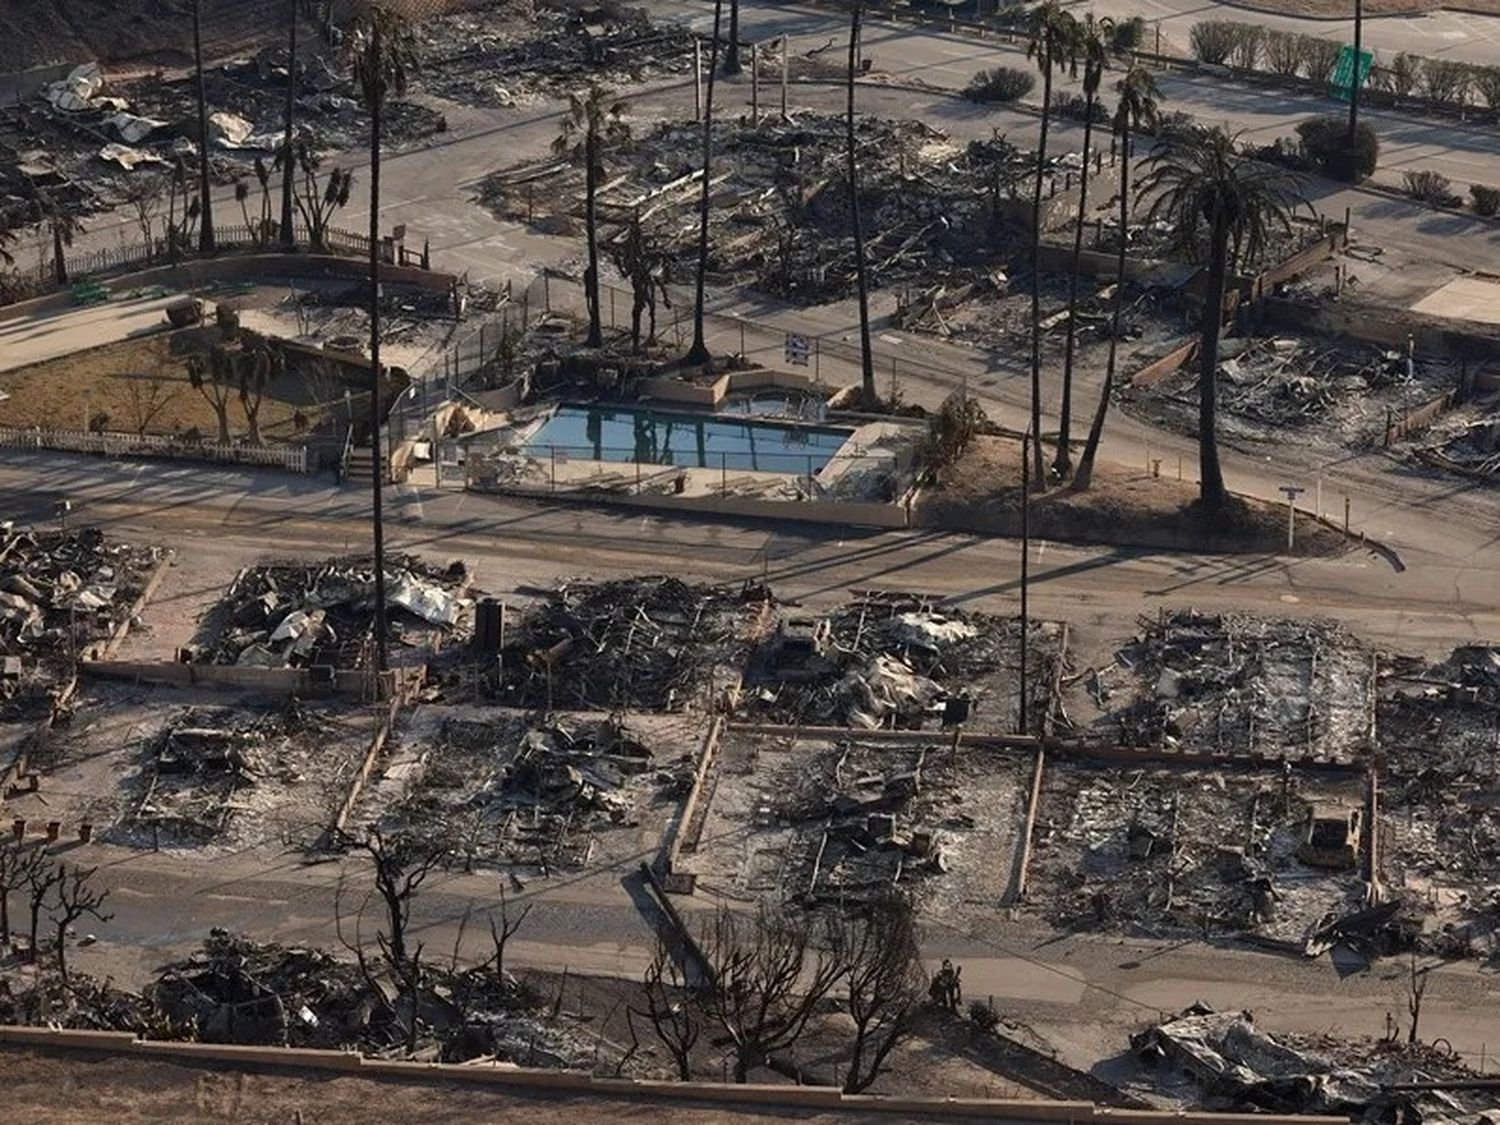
x=60, y=592
x=209, y=767
x=1175, y=851
x=891, y=659
x=781, y=200
x=650, y=643
x=299, y=615
x=1224, y=683
x=506, y=789
x=1440, y=737
x=1335, y=393
x=496, y=56
x=1233, y=1065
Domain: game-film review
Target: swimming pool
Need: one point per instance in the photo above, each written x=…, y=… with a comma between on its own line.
x=659, y=437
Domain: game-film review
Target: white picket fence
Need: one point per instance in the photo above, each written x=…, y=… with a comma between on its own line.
x=293, y=458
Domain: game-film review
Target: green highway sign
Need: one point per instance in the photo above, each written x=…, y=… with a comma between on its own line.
x=1340, y=86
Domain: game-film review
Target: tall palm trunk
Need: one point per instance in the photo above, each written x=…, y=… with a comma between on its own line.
x=867, y=361
x=1038, y=469
x=1211, y=487
x=698, y=353
x=376, y=105
x=591, y=233
x=288, y=228
x=1085, y=472
x=1063, y=462
x=206, y=219
x=732, y=57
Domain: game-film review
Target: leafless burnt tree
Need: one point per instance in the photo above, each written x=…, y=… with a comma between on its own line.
x=884, y=984
x=678, y=1023
x=76, y=899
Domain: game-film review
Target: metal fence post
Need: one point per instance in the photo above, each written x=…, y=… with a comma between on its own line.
x=552, y=449
x=723, y=473
x=546, y=291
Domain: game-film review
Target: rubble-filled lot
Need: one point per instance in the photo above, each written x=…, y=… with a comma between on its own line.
x=648, y=643
x=506, y=787
x=1327, y=392
x=1440, y=739
x=840, y=820
x=515, y=52
x=61, y=593
x=238, y=990
x=1223, y=1061
x=1465, y=441
x=1231, y=683
x=930, y=208
x=187, y=769
x=891, y=659
x=297, y=614
x=1167, y=850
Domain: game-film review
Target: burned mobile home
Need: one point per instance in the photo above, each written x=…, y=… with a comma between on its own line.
x=306, y=615
x=530, y=793
x=647, y=643
x=61, y=594
x=842, y=819
x=895, y=659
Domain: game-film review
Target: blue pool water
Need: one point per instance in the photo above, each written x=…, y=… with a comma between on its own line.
x=659, y=437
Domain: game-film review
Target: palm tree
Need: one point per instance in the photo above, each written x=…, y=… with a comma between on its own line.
x=1136, y=109
x=1223, y=205
x=206, y=218
x=732, y=56
x=288, y=232
x=592, y=123
x=1093, y=46
x=1052, y=42
x=698, y=353
x=384, y=56
x=62, y=225
x=867, y=361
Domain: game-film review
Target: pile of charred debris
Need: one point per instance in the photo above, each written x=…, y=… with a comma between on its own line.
x=505, y=788
x=1465, y=441
x=1440, y=740
x=205, y=776
x=303, y=615
x=1334, y=392
x=893, y=659
x=236, y=990
x=780, y=204
x=505, y=54
x=1231, y=683
x=649, y=643
x=1172, y=851
x=866, y=818
x=61, y=592
x=1222, y=1061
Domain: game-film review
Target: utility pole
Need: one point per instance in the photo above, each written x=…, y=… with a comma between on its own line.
x=206, y=219
x=697, y=79
x=1025, y=571
x=1354, y=81
x=786, y=57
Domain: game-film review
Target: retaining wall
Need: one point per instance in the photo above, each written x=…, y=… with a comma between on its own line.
x=1385, y=327
x=271, y=681
x=573, y=1083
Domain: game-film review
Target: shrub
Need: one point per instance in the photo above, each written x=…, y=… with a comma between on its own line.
x=1247, y=45
x=1445, y=81
x=1486, y=199
x=1212, y=40
x=1002, y=84
x=983, y=1016
x=1175, y=124
x=1325, y=143
x=1283, y=52
x=1404, y=76
x=1428, y=187
x=1319, y=56
x=1077, y=107
x=1128, y=36
x=1486, y=81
